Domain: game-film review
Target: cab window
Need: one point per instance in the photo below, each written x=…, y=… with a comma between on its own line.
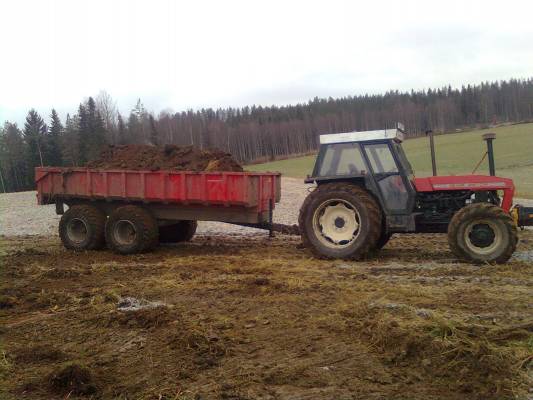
x=403, y=159
x=342, y=159
x=381, y=158
x=387, y=176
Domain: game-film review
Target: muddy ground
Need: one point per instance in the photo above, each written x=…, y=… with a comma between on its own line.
x=247, y=317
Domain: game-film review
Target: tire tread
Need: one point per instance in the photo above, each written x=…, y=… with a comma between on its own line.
x=94, y=217
x=492, y=211
x=149, y=233
x=374, y=216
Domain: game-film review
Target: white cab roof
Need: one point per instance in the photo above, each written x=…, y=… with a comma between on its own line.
x=391, y=134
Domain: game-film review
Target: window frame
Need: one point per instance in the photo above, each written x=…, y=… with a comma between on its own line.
x=373, y=158
x=322, y=154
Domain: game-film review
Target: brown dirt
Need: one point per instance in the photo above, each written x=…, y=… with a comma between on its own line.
x=169, y=157
x=256, y=318
x=37, y=353
x=72, y=379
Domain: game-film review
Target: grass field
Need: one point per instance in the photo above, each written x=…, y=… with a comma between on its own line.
x=456, y=153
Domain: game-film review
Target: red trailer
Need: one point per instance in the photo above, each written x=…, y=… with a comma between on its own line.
x=132, y=211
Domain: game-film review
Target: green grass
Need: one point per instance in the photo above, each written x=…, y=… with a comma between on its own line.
x=456, y=153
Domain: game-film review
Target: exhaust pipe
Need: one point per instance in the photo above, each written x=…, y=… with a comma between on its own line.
x=432, y=148
x=489, y=138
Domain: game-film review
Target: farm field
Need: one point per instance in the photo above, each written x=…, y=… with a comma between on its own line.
x=456, y=154
x=227, y=318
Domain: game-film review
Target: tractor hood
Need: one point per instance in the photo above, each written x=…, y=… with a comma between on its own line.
x=468, y=182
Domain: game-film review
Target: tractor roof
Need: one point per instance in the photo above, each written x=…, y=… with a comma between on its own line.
x=347, y=137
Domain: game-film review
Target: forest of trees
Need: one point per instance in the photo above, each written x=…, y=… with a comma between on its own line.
x=250, y=133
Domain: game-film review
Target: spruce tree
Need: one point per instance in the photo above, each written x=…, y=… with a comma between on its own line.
x=83, y=133
x=91, y=131
x=35, y=136
x=122, y=134
x=97, y=130
x=154, y=135
x=55, y=133
x=136, y=122
x=70, y=144
x=13, y=162
x=134, y=128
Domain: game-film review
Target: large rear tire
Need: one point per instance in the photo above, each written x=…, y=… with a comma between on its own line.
x=131, y=229
x=82, y=228
x=482, y=232
x=183, y=231
x=383, y=240
x=340, y=220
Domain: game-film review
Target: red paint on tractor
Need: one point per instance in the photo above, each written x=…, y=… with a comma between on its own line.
x=468, y=182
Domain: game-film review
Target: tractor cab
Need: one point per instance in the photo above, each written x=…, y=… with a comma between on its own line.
x=375, y=160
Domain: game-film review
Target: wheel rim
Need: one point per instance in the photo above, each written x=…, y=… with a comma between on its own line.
x=482, y=236
x=77, y=230
x=336, y=223
x=124, y=232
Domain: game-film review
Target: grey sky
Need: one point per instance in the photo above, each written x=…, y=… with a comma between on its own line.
x=193, y=54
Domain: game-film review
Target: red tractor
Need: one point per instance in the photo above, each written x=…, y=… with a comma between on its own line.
x=366, y=192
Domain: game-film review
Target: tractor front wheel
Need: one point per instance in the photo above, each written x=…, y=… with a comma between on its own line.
x=482, y=232
x=340, y=220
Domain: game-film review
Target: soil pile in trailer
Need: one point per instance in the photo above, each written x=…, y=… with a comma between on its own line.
x=168, y=157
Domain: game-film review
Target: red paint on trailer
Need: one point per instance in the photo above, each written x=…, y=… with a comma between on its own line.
x=243, y=189
x=468, y=182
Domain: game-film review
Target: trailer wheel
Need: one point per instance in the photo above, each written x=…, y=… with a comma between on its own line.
x=482, y=232
x=340, y=220
x=183, y=231
x=131, y=229
x=82, y=228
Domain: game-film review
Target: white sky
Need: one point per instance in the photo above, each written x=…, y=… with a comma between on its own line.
x=193, y=54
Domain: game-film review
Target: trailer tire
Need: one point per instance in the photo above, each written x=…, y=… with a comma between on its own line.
x=183, y=231
x=346, y=200
x=482, y=233
x=82, y=227
x=131, y=229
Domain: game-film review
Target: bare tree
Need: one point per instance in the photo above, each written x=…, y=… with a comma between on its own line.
x=107, y=108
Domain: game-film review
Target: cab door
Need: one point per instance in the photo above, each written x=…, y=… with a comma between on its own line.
x=389, y=177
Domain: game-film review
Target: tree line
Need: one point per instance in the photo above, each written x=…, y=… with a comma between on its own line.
x=253, y=133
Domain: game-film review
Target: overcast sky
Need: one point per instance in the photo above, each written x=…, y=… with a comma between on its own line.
x=191, y=54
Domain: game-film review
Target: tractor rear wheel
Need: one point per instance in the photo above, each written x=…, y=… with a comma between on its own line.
x=383, y=240
x=82, y=228
x=482, y=232
x=183, y=231
x=131, y=229
x=340, y=220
